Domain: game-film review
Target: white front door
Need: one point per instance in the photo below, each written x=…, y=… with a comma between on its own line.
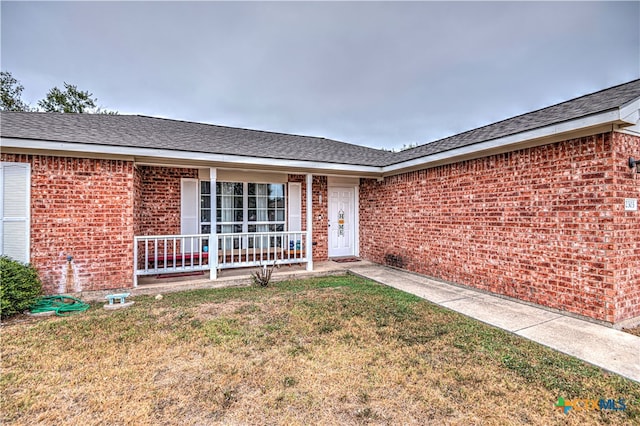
x=342, y=226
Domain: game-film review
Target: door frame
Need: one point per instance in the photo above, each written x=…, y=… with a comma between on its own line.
x=356, y=215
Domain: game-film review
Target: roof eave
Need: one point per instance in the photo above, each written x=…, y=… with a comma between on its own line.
x=613, y=119
x=167, y=156
x=626, y=115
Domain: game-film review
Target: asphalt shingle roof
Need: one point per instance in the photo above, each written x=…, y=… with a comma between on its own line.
x=594, y=103
x=157, y=133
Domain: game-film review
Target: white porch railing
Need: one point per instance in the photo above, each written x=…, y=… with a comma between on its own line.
x=168, y=254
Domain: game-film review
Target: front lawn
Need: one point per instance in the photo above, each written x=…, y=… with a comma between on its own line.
x=336, y=350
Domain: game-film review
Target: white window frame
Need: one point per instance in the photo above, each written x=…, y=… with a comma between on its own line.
x=245, y=208
x=212, y=207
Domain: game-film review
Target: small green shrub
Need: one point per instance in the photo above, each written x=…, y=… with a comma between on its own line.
x=20, y=286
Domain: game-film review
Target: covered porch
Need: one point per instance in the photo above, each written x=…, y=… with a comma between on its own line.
x=195, y=219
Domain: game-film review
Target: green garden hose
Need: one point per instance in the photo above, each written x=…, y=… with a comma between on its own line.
x=60, y=304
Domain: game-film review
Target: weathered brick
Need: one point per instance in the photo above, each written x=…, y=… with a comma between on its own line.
x=543, y=224
x=157, y=199
x=81, y=208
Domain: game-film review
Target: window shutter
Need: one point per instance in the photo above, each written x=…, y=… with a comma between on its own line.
x=15, y=210
x=189, y=206
x=295, y=206
x=189, y=213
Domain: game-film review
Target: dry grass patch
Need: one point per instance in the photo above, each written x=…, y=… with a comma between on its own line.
x=635, y=331
x=337, y=350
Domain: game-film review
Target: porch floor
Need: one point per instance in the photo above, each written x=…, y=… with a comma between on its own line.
x=241, y=276
x=226, y=278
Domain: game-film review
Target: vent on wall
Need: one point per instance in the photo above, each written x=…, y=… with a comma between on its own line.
x=394, y=260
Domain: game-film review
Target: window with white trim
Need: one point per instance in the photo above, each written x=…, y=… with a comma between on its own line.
x=205, y=207
x=266, y=207
x=241, y=207
x=230, y=207
x=248, y=207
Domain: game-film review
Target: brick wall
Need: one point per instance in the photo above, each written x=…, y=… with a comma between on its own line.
x=159, y=206
x=81, y=208
x=626, y=226
x=137, y=200
x=320, y=214
x=537, y=224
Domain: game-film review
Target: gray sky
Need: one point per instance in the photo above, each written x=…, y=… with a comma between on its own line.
x=375, y=74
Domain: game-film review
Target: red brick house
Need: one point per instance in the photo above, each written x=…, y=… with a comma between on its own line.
x=541, y=207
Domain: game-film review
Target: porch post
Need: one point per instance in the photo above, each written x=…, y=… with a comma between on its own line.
x=213, y=238
x=309, y=222
x=135, y=261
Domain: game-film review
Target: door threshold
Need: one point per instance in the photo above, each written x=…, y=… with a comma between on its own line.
x=345, y=259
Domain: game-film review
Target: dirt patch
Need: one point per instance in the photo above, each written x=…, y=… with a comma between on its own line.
x=18, y=319
x=219, y=309
x=635, y=331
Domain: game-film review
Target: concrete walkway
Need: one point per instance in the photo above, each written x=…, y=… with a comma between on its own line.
x=605, y=347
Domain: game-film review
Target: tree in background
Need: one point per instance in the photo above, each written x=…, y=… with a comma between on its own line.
x=69, y=100
x=11, y=93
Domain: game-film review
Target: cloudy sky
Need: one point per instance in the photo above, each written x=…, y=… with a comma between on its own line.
x=381, y=74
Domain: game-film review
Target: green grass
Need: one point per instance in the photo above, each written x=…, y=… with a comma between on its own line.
x=322, y=351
